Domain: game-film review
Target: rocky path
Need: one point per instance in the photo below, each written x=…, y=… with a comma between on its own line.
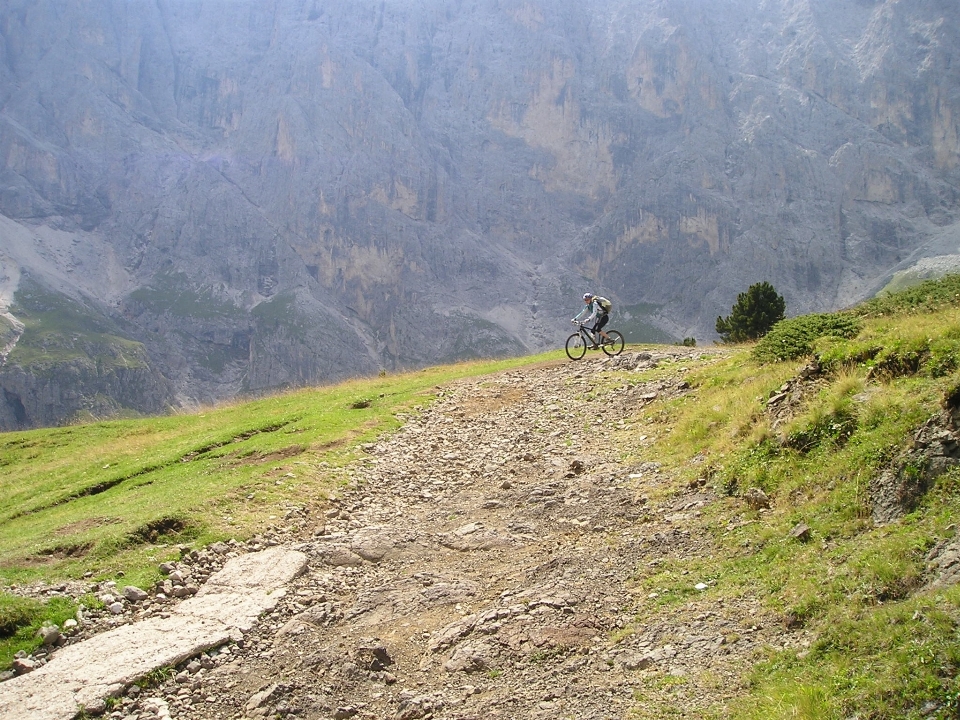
x=86, y=673
x=480, y=563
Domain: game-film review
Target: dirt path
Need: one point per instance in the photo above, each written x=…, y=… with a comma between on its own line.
x=479, y=565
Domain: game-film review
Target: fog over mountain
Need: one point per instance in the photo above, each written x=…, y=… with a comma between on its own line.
x=202, y=198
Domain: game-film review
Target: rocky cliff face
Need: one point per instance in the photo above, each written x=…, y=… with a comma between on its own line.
x=267, y=194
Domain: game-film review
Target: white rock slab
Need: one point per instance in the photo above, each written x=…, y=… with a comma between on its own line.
x=225, y=607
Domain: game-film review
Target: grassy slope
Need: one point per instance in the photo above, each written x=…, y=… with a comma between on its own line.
x=118, y=495
x=881, y=645
x=58, y=330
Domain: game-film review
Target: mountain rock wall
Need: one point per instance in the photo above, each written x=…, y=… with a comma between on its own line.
x=271, y=193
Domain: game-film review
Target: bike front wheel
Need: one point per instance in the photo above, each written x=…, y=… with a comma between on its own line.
x=615, y=346
x=576, y=347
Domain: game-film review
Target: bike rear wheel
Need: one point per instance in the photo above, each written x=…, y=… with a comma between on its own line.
x=615, y=346
x=576, y=347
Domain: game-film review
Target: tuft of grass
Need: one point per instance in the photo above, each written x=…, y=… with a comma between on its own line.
x=16, y=612
x=21, y=619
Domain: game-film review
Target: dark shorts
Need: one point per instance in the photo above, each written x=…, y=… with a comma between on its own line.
x=601, y=321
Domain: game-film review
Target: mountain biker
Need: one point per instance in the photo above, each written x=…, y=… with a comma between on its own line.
x=598, y=307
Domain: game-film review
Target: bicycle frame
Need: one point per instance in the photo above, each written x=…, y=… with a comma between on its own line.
x=585, y=337
x=591, y=335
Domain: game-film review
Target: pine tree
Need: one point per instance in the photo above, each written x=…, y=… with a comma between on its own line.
x=755, y=312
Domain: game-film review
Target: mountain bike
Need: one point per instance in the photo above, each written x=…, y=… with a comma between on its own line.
x=585, y=337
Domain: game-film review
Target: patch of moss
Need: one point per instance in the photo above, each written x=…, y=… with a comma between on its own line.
x=59, y=330
x=175, y=294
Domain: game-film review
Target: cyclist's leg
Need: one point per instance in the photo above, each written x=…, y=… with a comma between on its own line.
x=601, y=321
x=594, y=337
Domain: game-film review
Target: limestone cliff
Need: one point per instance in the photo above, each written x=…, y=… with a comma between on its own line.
x=269, y=193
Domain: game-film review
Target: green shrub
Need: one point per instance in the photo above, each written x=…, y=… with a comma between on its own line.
x=794, y=338
x=926, y=297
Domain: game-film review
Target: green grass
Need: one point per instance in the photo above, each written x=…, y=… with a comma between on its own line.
x=21, y=619
x=173, y=293
x=928, y=296
x=883, y=644
x=118, y=495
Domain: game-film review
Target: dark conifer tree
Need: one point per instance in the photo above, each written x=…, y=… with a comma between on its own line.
x=755, y=312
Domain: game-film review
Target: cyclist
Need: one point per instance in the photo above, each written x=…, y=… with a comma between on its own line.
x=599, y=308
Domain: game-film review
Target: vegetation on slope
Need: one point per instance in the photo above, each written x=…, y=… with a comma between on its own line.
x=59, y=330
x=882, y=642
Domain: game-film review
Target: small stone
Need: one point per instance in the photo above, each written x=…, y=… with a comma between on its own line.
x=21, y=666
x=115, y=607
x=757, y=499
x=257, y=700
x=134, y=594
x=467, y=659
x=638, y=662
x=95, y=707
x=372, y=655
x=49, y=634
